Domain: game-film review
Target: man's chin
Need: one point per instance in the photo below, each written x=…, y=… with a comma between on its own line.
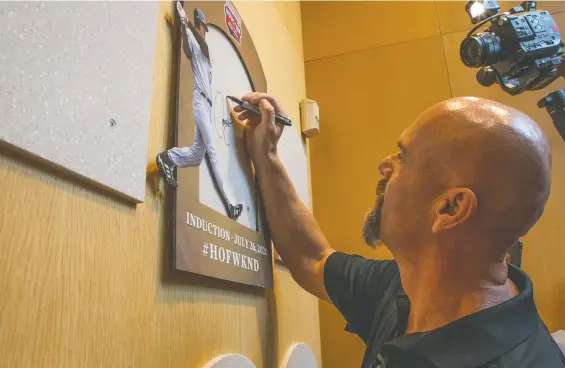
x=378, y=243
x=372, y=224
x=372, y=228
x=374, y=243
x=371, y=234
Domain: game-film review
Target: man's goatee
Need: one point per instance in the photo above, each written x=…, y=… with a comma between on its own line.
x=372, y=223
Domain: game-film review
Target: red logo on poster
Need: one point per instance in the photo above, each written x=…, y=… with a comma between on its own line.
x=233, y=22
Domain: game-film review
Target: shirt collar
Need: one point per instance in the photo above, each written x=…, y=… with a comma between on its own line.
x=480, y=337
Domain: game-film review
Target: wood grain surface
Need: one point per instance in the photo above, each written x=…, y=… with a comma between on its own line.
x=81, y=281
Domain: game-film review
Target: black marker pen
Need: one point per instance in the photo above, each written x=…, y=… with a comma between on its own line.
x=255, y=108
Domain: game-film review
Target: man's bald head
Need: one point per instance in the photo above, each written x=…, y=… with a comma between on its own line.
x=467, y=166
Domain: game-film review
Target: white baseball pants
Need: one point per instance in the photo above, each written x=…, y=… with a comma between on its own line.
x=203, y=142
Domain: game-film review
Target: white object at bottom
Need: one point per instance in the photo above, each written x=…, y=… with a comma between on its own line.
x=300, y=356
x=230, y=361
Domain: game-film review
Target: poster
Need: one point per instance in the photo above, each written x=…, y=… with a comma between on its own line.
x=216, y=216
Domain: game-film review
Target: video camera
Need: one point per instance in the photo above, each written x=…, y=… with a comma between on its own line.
x=521, y=50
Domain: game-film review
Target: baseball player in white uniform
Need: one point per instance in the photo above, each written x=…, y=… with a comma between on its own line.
x=196, y=50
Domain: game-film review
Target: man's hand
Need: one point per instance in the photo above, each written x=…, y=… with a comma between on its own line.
x=262, y=134
x=182, y=14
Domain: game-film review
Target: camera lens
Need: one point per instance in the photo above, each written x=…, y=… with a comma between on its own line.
x=480, y=49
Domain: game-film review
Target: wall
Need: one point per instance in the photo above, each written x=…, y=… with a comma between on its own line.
x=373, y=67
x=81, y=271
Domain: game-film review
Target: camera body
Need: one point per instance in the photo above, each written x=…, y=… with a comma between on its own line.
x=518, y=51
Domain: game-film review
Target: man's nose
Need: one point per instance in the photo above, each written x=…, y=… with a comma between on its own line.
x=386, y=167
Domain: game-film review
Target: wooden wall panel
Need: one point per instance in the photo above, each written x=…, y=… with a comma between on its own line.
x=288, y=10
x=368, y=97
x=366, y=100
x=453, y=17
x=333, y=28
x=544, y=246
x=81, y=272
x=295, y=315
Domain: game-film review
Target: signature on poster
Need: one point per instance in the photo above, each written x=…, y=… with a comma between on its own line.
x=221, y=117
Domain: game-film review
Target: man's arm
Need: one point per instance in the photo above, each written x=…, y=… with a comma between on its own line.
x=353, y=284
x=296, y=234
x=189, y=39
x=196, y=37
x=194, y=31
x=186, y=44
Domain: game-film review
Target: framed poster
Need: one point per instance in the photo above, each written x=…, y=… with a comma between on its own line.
x=215, y=214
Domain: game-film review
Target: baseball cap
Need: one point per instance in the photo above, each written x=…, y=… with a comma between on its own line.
x=198, y=14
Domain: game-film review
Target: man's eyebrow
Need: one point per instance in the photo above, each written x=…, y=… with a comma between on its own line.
x=401, y=146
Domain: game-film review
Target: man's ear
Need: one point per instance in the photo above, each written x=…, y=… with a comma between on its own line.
x=453, y=208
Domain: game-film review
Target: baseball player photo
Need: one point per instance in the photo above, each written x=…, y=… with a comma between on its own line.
x=213, y=203
x=196, y=49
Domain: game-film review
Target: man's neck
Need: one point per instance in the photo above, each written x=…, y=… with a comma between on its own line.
x=442, y=289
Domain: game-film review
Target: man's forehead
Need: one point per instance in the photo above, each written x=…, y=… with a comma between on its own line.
x=445, y=124
x=413, y=134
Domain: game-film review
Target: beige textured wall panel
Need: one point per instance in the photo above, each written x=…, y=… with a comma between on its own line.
x=81, y=283
x=453, y=17
x=544, y=246
x=78, y=67
x=366, y=100
x=333, y=28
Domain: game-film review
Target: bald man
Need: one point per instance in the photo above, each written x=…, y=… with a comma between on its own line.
x=470, y=177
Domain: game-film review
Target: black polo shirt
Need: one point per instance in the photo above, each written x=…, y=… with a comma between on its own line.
x=369, y=295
